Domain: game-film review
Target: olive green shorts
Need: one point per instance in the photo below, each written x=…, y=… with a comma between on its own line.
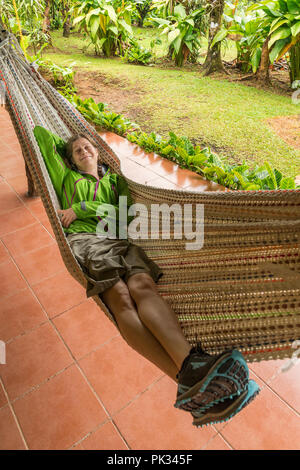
x=106, y=261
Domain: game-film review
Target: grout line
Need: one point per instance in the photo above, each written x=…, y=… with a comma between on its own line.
x=14, y=415
x=218, y=433
x=76, y=363
x=267, y=384
x=28, y=207
x=224, y=439
x=36, y=387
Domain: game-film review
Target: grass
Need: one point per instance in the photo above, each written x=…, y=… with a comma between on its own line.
x=229, y=117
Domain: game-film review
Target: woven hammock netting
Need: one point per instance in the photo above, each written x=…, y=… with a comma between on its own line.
x=241, y=289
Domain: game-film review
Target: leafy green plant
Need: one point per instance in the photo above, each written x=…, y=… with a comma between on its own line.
x=283, y=20
x=136, y=54
x=181, y=151
x=183, y=36
x=62, y=76
x=247, y=31
x=107, y=28
x=143, y=8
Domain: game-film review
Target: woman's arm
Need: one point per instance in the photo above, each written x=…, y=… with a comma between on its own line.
x=56, y=167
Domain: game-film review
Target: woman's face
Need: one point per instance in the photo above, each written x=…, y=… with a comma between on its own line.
x=84, y=155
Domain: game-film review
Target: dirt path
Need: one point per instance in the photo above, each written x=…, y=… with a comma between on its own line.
x=113, y=92
x=288, y=129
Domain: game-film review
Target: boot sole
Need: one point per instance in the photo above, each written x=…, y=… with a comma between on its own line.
x=213, y=376
x=241, y=402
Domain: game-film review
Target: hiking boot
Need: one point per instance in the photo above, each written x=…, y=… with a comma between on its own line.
x=228, y=408
x=204, y=380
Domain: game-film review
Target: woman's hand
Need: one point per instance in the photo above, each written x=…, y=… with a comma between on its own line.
x=67, y=216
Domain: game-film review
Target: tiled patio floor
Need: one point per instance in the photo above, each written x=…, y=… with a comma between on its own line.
x=70, y=381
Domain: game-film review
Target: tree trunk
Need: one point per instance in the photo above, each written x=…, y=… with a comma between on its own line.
x=66, y=27
x=294, y=63
x=262, y=74
x=213, y=62
x=46, y=22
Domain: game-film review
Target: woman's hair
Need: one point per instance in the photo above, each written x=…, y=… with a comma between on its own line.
x=69, y=148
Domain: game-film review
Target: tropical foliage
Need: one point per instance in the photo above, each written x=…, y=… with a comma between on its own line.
x=183, y=36
x=137, y=54
x=283, y=20
x=107, y=28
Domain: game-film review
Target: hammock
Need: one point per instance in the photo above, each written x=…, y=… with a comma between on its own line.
x=241, y=290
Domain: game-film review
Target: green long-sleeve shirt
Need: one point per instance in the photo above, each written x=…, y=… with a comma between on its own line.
x=82, y=192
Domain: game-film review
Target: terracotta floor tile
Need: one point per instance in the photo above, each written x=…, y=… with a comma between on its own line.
x=15, y=146
x=186, y=178
x=30, y=200
x=47, y=225
x=266, y=424
x=41, y=263
x=121, y=146
x=37, y=208
x=27, y=239
x=8, y=199
x=11, y=138
x=15, y=220
x=105, y=438
x=32, y=358
x=127, y=373
x=3, y=400
x=285, y=384
x=204, y=185
x=19, y=184
x=16, y=167
x=10, y=437
x=143, y=158
x=59, y=413
x=178, y=177
x=198, y=183
x=11, y=279
x=19, y=313
x=4, y=255
x=152, y=423
x=160, y=182
x=9, y=155
x=163, y=167
x=217, y=443
x=137, y=173
x=59, y=293
x=267, y=369
x=84, y=328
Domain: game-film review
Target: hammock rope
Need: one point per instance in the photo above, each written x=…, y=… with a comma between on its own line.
x=242, y=289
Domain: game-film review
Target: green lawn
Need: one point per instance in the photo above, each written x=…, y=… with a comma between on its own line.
x=228, y=116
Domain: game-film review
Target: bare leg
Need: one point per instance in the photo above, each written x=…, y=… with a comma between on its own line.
x=158, y=316
x=135, y=333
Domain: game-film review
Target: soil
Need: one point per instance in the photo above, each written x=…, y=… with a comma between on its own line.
x=112, y=91
x=288, y=128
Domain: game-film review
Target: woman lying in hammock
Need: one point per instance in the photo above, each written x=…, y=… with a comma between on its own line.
x=212, y=388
